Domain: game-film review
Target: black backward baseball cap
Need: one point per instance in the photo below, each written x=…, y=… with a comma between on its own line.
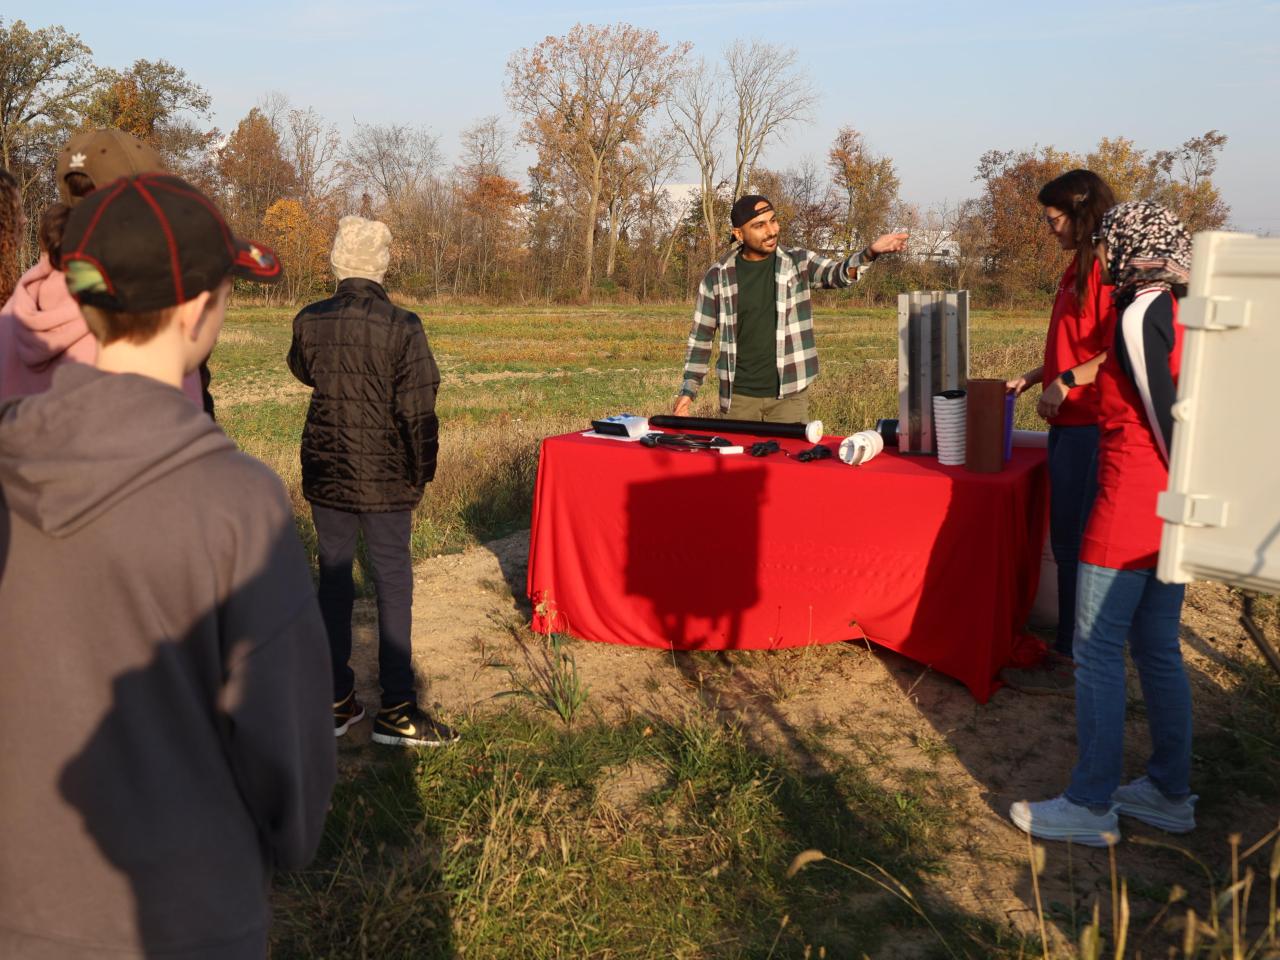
x=152, y=241
x=744, y=210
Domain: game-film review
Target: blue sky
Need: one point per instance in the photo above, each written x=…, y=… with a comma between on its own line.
x=933, y=85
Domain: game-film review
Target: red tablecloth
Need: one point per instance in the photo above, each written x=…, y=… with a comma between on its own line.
x=697, y=551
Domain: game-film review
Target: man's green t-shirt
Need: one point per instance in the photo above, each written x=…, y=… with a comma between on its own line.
x=756, y=371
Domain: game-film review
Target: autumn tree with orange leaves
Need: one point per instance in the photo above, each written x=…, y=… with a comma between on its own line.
x=1020, y=253
x=159, y=104
x=869, y=186
x=255, y=171
x=582, y=97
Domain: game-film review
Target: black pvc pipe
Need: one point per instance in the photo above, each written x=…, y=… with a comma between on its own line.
x=755, y=428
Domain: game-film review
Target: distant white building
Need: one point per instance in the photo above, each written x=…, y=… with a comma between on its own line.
x=934, y=245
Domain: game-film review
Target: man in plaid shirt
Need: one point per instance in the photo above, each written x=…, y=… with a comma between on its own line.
x=758, y=296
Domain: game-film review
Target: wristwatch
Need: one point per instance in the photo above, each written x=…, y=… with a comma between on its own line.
x=1068, y=377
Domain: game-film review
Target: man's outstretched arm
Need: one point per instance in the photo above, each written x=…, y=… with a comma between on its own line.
x=824, y=272
x=706, y=317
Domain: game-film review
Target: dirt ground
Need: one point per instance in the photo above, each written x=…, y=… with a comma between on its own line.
x=888, y=713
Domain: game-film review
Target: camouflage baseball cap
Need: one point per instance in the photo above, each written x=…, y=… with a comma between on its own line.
x=103, y=156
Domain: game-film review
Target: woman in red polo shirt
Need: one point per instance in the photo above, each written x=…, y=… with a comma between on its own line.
x=1074, y=348
x=1147, y=252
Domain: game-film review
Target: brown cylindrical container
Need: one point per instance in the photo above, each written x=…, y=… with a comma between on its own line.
x=984, y=426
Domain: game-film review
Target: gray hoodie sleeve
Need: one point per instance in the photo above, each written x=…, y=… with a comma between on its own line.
x=275, y=704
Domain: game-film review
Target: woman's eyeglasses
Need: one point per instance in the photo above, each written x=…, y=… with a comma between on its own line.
x=1053, y=221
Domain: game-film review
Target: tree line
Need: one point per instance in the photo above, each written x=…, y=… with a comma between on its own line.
x=612, y=114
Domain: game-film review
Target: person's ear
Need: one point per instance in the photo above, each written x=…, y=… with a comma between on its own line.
x=191, y=315
x=737, y=233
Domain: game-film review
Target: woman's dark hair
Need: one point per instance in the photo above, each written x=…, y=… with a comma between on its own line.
x=53, y=223
x=1084, y=197
x=79, y=185
x=10, y=234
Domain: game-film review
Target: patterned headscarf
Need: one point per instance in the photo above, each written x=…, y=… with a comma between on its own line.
x=1147, y=246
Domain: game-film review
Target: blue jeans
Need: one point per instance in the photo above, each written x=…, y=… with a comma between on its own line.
x=1116, y=606
x=1073, y=483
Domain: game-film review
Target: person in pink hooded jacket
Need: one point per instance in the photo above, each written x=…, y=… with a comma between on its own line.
x=41, y=326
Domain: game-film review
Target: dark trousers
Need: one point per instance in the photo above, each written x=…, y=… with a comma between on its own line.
x=1073, y=483
x=386, y=540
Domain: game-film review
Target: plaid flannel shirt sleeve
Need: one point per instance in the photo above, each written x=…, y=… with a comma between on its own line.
x=828, y=273
x=706, y=318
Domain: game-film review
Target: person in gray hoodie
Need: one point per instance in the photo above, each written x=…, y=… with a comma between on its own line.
x=164, y=703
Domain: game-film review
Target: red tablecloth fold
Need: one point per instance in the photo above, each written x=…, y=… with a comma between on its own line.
x=696, y=551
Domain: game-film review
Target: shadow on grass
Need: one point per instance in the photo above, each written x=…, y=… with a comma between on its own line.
x=375, y=889
x=497, y=499
x=642, y=838
x=824, y=801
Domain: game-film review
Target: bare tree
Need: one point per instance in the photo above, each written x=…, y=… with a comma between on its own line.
x=771, y=93
x=313, y=144
x=582, y=96
x=698, y=114
x=964, y=223
x=394, y=160
x=1189, y=189
x=1194, y=161
x=814, y=217
x=659, y=155
x=622, y=183
x=486, y=148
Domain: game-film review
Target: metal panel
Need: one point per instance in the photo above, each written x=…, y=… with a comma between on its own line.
x=933, y=355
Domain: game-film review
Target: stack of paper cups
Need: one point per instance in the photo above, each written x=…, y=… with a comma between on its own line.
x=948, y=423
x=861, y=447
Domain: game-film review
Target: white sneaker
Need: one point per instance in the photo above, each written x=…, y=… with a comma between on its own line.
x=1143, y=801
x=1060, y=819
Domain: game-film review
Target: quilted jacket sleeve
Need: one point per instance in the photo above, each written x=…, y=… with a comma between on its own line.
x=417, y=382
x=298, y=361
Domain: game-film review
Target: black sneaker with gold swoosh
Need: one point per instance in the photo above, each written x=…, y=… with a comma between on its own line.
x=346, y=712
x=406, y=725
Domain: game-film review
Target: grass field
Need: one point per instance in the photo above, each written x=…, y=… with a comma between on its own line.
x=512, y=376
x=557, y=831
